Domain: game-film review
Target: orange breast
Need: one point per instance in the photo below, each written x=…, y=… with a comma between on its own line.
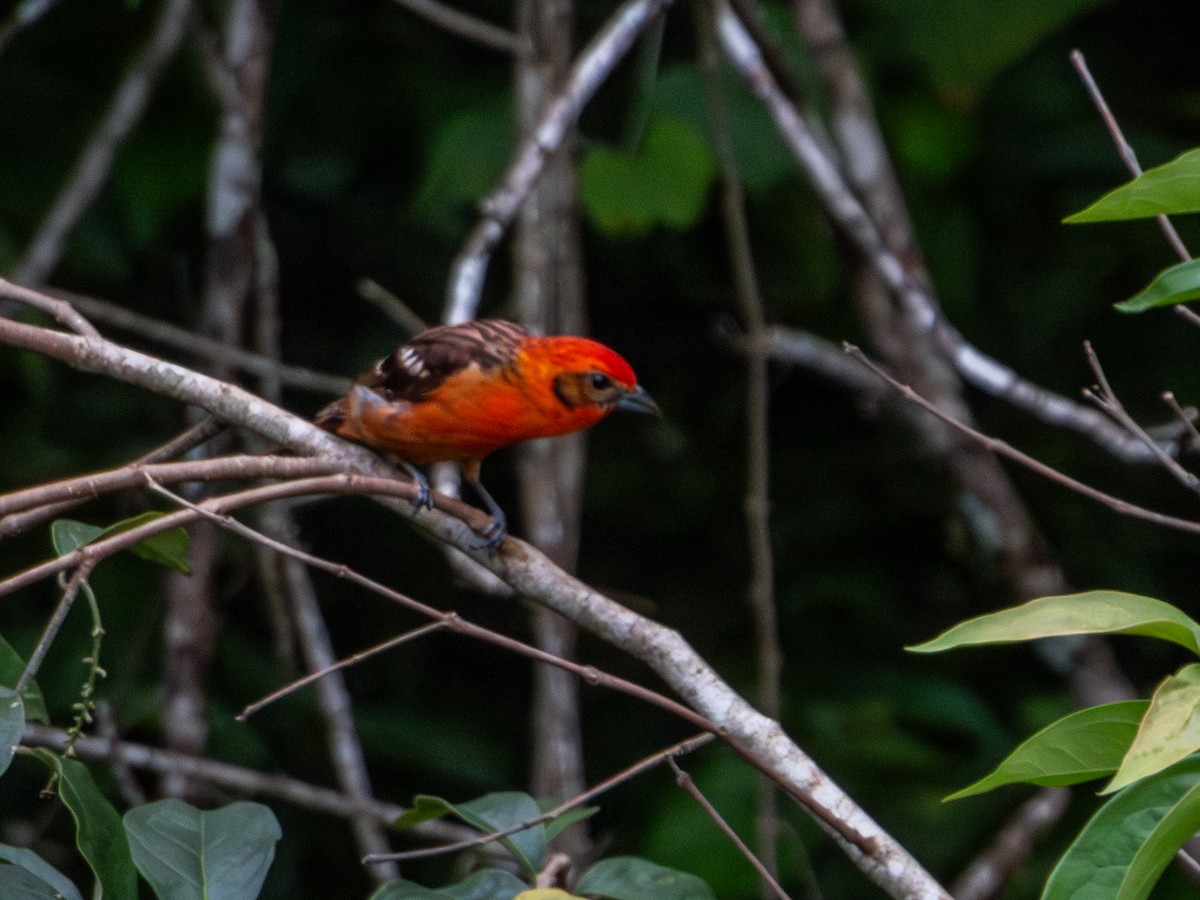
x=470, y=415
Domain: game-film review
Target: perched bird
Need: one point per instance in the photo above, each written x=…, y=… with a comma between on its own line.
x=458, y=392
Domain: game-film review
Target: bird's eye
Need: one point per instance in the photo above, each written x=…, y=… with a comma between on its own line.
x=599, y=381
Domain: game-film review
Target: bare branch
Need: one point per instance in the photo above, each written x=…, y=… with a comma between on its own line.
x=1107, y=399
x=235, y=778
x=351, y=660
x=1012, y=845
x=500, y=207
x=466, y=26
x=391, y=306
x=684, y=780
x=1004, y=449
x=756, y=737
x=628, y=774
x=760, y=593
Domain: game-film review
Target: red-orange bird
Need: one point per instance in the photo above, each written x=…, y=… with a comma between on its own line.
x=458, y=392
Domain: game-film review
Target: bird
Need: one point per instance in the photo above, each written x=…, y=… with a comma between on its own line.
x=455, y=393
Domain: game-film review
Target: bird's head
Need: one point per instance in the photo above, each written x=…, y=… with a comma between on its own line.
x=592, y=380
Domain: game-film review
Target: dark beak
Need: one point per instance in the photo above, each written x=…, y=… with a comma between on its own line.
x=638, y=400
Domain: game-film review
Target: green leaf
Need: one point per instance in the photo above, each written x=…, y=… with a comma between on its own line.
x=491, y=812
x=400, y=889
x=19, y=884
x=11, y=667
x=25, y=859
x=1170, y=729
x=487, y=884
x=167, y=548
x=191, y=854
x=1175, y=284
x=424, y=808
x=98, y=832
x=1168, y=189
x=1093, y=612
x=12, y=726
x=67, y=535
x=1124, y=847
x=1086, y=744
x=501, y=810
x=556, y=825
x=633, y=878
x=667, y=183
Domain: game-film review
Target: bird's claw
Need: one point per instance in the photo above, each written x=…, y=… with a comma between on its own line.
x=494, y=533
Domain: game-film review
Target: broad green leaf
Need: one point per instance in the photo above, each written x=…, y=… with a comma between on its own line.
x=487, y=884
x=501, y=810
x=12, y=726
x=556, y=825
x=1124, y=847
x=633, y=878
x=1175, y=284
x=67, y=535
x=424, y=808
x=1170, y=729
x=1168, y=189
x=547, y=894
x=98, y=832
x=167, y=548
x=491, y=812
x=11, y=667
x=1086, y=744
x=20, y=884
x=1093, y=612
x=666, y=183
x=400, y=889
x=191, y=854
x=30, y=862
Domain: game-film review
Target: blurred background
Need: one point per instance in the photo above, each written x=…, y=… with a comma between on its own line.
x=380, y=134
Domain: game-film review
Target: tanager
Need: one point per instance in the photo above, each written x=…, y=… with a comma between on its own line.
x=457, y=392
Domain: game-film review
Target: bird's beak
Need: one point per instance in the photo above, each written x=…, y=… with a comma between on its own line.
x=638, y=400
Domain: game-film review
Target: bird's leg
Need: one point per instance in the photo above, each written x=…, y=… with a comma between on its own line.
x=424, y=496
x=496, y=529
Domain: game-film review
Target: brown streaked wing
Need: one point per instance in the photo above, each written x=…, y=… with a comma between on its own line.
x=418, y=367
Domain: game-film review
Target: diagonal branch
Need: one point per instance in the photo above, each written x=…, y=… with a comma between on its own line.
x=754, y=736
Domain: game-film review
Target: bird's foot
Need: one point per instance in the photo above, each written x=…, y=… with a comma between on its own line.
x=495, y=532
x=424, y=498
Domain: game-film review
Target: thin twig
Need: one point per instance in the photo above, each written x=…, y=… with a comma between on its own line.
x=684, y=780
x=235, y=778
x=450, y=621
x=1126, y=151
x=1187, y=418
x=627, y=774
x=391, y=306
x=466, y=26
x=196, y=345
x=1004, y=449
x=1108, y=400
x=760, y=593
x=54, y=625
x=134, y=474
x=343, y=663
